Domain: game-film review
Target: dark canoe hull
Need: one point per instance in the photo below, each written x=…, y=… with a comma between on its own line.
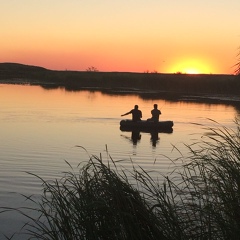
x=146, y=126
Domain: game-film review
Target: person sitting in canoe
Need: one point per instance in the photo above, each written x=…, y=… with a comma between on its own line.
x=136, y=114
x=155, y=114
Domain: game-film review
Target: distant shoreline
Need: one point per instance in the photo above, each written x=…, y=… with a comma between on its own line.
x=185, y=87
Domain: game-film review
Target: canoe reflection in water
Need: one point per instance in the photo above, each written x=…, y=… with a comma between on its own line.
x=136, y=135
x=146, y=126
x=154, y=138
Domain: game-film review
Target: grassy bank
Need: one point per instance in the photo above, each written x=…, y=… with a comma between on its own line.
x=201, y=200
x=76, y=80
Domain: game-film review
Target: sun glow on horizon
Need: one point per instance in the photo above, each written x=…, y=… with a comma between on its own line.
x=191, y=71
x=192, y=66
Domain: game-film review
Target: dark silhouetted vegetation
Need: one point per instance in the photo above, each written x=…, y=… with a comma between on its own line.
x=200, y=200
x=237, y=65
x=92, y=69
x=157, y=83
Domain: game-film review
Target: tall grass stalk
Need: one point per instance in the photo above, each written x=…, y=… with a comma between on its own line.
x=200, y=200
x=237, y=65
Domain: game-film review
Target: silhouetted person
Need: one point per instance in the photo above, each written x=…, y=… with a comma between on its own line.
x=136, y=114
x=155, y=114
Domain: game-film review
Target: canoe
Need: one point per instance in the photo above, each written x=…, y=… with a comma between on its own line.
x=147, y=126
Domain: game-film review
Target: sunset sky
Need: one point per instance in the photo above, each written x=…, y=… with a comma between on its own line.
x=166, y=36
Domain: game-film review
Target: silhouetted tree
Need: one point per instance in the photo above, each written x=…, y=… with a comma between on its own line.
x=92, y=69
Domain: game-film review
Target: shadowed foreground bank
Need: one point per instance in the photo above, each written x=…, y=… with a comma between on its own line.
x=200, y=200
x=120, y=81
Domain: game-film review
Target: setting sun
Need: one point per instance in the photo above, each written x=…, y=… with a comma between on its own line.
x=191, y=71
x=191, y=66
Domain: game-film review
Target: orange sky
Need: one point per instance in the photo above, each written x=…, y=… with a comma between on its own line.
x=185, y=36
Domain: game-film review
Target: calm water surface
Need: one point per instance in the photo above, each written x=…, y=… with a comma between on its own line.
x=40, y=129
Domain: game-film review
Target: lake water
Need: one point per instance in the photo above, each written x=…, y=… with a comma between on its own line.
x=41, y=128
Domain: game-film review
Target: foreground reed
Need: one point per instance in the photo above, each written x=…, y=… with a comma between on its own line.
x=201, y=200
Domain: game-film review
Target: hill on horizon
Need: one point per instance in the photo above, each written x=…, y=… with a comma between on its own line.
x=11, y=66
x=18, y=66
